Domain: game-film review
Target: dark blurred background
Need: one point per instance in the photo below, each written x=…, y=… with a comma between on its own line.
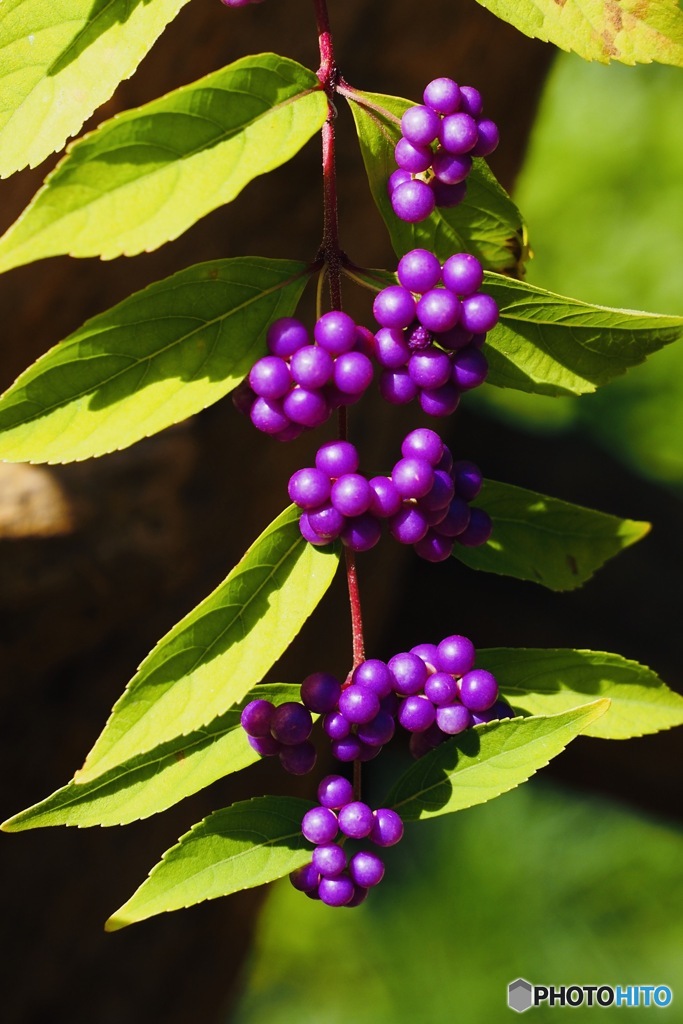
x=99, y=559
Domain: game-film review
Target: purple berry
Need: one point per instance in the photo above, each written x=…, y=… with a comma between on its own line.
x=470, y=368
x=320, y=825
x=286, y=336
x=394, y=307
x=359, y=896
x=467, y=478
x=334, y=791
x=337, y=458
x=430, y=368
x=320, y=692
x=448, y=196
x=361, y=533
x=412, y=158
x=265, y=746
x=441, y=494
x=412, y=201
x=438, y=310
x=456, y=655
x=471, y=101
x=478, y=689
x=386, y=501
x=416, y=713
x=463, y=274
x=420, y=743
x=336, y=892
x=305, y=878
x=355, y=819
x=440, y=688
x=257, y=717
x=306, y=407
x=336, y=726
x=353, y=373
x=456, y=519
x=456, y=338
x=479, y=313
x=409, y=525
x=412, y=477
x=326, y=522
x=335, y=332
x=366, y=868
x=347, y=749
x=299, y=759
x=409, y=672
x=397, y=386
x=351, y=494
x=458, y=133
x=358, y=703
x=487, y=138
x=442, y=95
x=423, y=443
x=441, y=401
x=309, y=534
x=434, y=547
x=308, y=488
x=426, y=653
x=420, y=125
x=270, y=377
x=378, y=731
x=328, y=859
x=387, y=828
x=453, y=719
x=268, y=415
x=451, y=168
x=399, y=177
x=311, y=367
x=478, y=530
x=391, y=348
x=290, y=433
x=291, y=723
x=374, y=675
x=419, y=270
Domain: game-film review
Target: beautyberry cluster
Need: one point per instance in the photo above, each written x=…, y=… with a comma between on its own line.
x=283, y=731
x=432, y=326
x=434, y=154
x=301, y=382
x=332, y=876
x=425, y=499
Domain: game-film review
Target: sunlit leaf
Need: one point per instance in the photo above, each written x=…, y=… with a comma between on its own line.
x=545, y=682
x=239, y=847
x=146, y=176
x=159, y=356
x=481, y=763
x=59, y=62
x=214, y=656
x=546, y=540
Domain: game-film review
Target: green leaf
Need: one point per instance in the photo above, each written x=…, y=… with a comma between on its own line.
x=154, y=359
x=546, y=540
x=214, y=656
x=156, y=780
x=59, y=62
x=239, y=847
x=545, y=682
x=487, y=223
x=146, y=176
x=631, y=31
x=486, y=761
x=548, y=344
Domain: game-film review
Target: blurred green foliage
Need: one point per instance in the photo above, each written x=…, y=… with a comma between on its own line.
x=602, y=193
x=541, y=884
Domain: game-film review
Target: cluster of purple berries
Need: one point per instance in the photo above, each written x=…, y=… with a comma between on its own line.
x=331, y=876
x=434, y=154
x=300, y=383
x=283, y=731
x=425, y=499
x=432, y=326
